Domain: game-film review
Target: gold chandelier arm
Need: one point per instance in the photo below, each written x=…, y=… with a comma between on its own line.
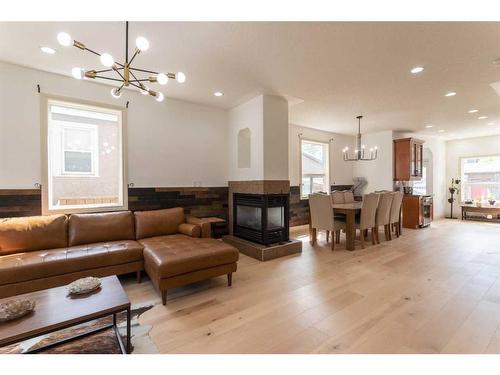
x=121, y=75
x=133, y=75
x=144, y=71
x=134, y=55
x=106, y=70
x=135, y=85
x=109, y=78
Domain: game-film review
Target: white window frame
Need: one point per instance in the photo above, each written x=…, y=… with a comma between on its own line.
x=327, y=167
x=45, y=101
x=94, y=152
x=460, y=159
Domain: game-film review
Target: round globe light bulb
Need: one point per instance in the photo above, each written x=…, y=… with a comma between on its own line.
x=160, y=97
x=116, y=93
x=180, y=77
x=78, y=73
x=162, y=79
x=107, y=60
x=142, y=43
x=64, y=39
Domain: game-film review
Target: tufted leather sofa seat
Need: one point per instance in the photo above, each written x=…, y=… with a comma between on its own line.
x=42, y=252
x=45, y=251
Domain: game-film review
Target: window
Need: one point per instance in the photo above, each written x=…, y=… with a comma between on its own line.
x=83, y=158
x=314, y=167
x=420, y=186
x=480, y=177
x=79, y=150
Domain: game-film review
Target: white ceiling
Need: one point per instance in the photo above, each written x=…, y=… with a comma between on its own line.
x=338, y=69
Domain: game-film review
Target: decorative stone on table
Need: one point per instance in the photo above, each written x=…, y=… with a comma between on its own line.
x=14, y=309
x=84, y=286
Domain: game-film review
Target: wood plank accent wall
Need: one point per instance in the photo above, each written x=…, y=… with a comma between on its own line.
x=299, y=208
x=196, y=201
x=20, y=202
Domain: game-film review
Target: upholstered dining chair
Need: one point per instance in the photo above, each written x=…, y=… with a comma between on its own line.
x=321, y=213
x=337, y=197
x=395, y=210
x=348, y=197
x=367, y=217
x=383, y=216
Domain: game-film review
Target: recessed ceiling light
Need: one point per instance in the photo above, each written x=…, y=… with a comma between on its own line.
x=473, y=110
x=417, y=69
x=429, y=126
x=440, y=131
x=451, y=93
x=218, y=93
x=482, y=117
x=48, y=50
x=491, y=123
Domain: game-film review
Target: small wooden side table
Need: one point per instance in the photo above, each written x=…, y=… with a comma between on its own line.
x=211, y=227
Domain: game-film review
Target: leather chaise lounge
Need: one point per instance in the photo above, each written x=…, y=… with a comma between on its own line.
x=41, y=252
x=174, y=254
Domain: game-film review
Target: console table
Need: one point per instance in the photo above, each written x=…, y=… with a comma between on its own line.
x=494, y=211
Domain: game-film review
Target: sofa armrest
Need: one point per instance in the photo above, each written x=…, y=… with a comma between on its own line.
x=206, y=229
x=188, y=229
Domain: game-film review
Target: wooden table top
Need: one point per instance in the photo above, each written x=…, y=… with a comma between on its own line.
x=55, y=309
x=348, y=206
x=483, y=207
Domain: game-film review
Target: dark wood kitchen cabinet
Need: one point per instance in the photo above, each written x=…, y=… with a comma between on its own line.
x=408, y=159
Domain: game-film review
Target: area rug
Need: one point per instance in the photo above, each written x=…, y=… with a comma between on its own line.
x=103, y=342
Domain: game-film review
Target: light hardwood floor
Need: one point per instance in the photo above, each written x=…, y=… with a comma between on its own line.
x=435, y=290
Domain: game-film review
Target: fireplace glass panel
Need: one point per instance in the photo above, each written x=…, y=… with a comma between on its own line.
x=249, y=217
x=275, y=218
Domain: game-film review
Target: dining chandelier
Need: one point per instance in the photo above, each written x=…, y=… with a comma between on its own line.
x=359, y=152
x=124, y=74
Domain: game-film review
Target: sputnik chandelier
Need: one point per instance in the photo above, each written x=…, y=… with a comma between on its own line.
x=359, y=152
x=124, y=74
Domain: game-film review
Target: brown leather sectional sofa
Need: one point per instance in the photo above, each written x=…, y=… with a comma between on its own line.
x=46, y=251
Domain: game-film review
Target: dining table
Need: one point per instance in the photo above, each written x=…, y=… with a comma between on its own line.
x=349, y=210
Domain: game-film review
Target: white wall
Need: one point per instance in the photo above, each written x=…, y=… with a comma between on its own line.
x=247, y=115
x=340, y=171
x=378, y=172
x=275, y=138
x=438, y=148
x=456, y=149
x=172, y=143
x=266, y=116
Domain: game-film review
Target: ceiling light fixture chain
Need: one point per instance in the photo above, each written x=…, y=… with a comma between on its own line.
x=124, y=73
x=359, y=152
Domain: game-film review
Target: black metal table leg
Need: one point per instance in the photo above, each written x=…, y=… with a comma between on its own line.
x=128, y=332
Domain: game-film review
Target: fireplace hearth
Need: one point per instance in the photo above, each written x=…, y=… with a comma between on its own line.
x=261, y=218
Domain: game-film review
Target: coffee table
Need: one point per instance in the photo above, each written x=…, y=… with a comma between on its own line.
x=55, y=310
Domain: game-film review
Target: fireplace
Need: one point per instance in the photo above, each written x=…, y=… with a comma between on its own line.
x=261, y=218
